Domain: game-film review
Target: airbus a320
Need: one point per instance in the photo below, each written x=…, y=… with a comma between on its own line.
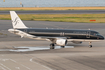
x=56, y=36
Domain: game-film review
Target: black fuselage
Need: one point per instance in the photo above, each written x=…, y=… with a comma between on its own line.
x=68, y=33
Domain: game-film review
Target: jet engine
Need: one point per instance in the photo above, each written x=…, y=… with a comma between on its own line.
x=77, y=42
x=61, y=42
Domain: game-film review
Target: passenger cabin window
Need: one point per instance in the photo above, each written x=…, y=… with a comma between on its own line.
x=31, y=31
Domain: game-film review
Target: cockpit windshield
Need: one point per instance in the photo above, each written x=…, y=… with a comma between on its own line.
x=97, y=34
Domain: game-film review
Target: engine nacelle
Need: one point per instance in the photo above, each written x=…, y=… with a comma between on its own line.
x=61, y=42
x=77, y=42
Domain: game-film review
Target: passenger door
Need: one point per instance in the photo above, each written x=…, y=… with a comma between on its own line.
x=88, y=34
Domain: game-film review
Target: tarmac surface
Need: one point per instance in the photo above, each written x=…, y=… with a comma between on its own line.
x=58, y=12
x=21, y=54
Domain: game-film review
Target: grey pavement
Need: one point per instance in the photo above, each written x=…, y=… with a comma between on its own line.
x=80, y=57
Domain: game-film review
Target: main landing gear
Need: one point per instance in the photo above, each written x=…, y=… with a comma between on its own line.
x=90, y=44
x=52, y=46
x=62, y=46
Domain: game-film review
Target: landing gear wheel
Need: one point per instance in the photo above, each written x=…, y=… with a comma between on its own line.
x=62, y=46
x=52, y=46
x=90, y=46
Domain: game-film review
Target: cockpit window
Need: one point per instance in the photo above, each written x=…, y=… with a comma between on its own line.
x=97, y=34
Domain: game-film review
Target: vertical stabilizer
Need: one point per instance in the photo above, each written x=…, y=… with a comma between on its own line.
x=16, y=21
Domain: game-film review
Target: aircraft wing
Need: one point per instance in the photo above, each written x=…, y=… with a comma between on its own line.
x=49, y=38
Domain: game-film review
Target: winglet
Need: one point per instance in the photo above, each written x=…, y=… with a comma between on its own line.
x=16, y=21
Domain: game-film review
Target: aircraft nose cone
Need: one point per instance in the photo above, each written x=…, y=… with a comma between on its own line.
x=102, y=37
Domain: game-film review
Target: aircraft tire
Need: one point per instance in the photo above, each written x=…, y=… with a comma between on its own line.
x=90, y=46
x=62, y=46
x=52, y=46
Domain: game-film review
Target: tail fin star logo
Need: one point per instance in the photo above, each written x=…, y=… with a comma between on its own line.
x=16, y=21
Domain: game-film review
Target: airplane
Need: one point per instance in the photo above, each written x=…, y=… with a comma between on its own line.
x=59, y=37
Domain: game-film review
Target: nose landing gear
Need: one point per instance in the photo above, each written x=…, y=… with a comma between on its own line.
x=90, y=46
